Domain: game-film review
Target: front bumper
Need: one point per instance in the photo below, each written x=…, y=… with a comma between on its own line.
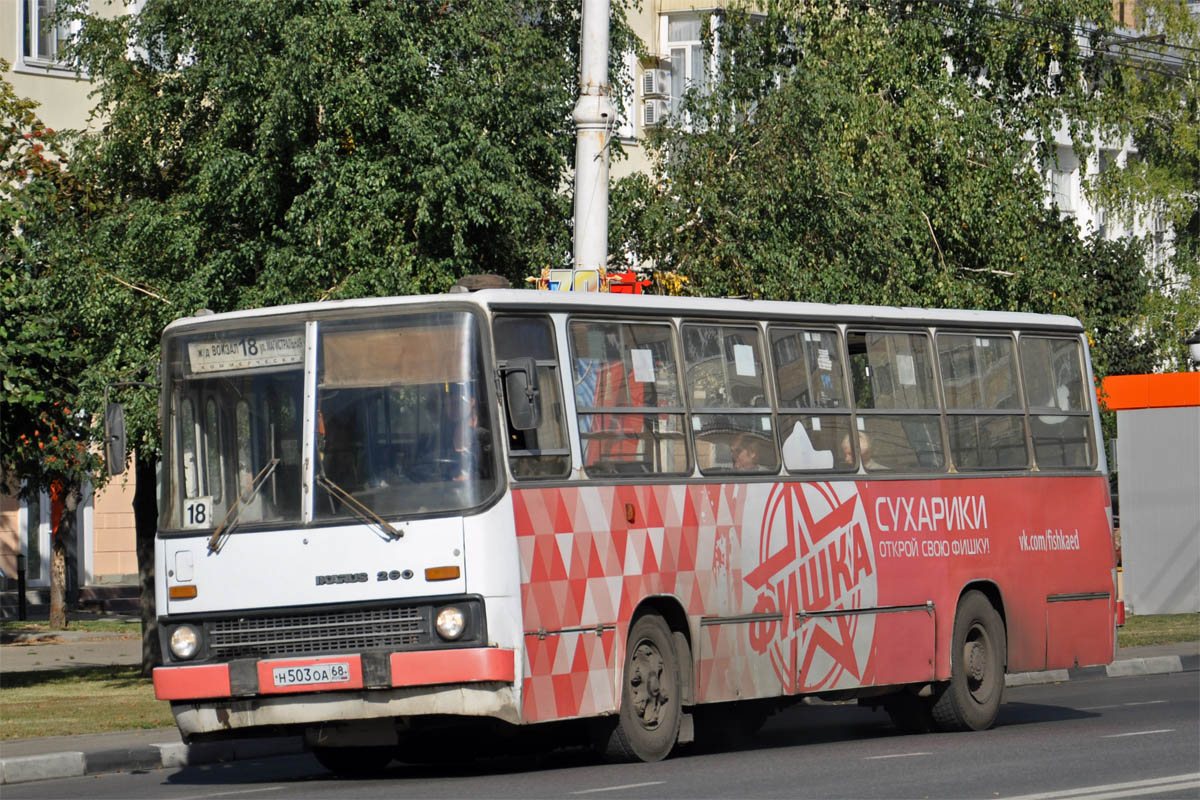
x=407, y=669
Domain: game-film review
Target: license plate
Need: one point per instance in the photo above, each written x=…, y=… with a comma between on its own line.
x=333, y=672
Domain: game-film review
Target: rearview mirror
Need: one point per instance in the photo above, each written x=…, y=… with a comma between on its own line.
x=521, y=390
x=114, y=438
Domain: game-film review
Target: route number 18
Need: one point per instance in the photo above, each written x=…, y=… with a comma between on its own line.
x=197, y=512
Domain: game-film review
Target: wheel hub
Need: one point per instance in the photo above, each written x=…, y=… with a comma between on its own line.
x=975, y=659
x=646, y=688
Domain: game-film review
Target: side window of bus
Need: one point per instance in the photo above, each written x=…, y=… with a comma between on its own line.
x=268, y=427
x=727, y=391
x=543, y=452
x=627, y=398
x=814, y=417
x=985, y=417
x=895, y=395
x=213, y=431
x=1060, y=420
x=191, y=454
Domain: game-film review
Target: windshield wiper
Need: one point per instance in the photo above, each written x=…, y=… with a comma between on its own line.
x=235, y=512
x=360, y=510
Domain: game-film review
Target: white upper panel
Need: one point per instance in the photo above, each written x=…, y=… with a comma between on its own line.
x=624, y=304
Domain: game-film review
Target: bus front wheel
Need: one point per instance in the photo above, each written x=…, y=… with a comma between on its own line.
x=648, y=723
x=972, y=699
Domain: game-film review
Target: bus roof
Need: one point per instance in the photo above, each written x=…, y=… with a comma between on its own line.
x=638, y=305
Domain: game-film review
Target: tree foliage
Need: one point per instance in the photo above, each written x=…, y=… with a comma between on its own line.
x=882, y=153
x=292, y=151
x=45, y=428
x=45, y=431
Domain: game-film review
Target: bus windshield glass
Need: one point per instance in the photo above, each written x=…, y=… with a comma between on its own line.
x=235, y=415
x=402, y=417
x=401, y=422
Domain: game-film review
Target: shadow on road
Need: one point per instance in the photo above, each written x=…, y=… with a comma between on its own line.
x=797, y=726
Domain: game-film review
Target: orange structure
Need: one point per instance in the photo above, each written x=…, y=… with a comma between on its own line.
x=1169, y=390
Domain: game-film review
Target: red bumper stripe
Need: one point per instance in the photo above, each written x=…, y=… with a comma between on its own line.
x=426, y=667
x=190, y=683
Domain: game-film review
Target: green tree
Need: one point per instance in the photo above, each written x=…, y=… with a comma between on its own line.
x=291, y=151
x=869, y=152
x=1154, y=72
x=45, y=429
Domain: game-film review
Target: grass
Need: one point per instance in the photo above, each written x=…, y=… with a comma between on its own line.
x=64, y=702
x=134, y=627
x=1159, y=629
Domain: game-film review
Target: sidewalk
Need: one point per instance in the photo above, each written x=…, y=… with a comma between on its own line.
x=87, y=754
x=72, y=756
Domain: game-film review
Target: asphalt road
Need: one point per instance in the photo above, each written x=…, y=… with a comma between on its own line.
x=1106, y=738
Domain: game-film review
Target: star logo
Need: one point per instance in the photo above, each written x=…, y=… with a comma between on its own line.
x=815, y=556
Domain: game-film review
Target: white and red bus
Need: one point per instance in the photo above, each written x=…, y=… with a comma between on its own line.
x=636, y=517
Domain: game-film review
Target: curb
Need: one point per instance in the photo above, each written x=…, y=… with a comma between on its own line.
x=153, y=756
x=64, y=637
x=1150, y=665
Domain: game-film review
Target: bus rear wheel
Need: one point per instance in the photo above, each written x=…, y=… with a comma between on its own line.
x=648, y=723
x=972, y=699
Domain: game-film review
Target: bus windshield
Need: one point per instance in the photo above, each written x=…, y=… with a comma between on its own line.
x=401, y=422
x=402, y=416
x=235, y=416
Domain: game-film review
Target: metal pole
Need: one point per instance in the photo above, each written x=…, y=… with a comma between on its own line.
x=595, y=119
x=21, y=612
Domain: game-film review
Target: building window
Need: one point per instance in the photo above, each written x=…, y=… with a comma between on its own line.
x=1058, y=187
x=1060, y=174
x=43, y=41
x=687, y=55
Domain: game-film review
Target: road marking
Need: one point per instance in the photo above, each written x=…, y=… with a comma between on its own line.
x=894, y=755
x=1113, y=791
x=1137, y=733
x=618, y=788
x=231, y=792
x=1119, y=705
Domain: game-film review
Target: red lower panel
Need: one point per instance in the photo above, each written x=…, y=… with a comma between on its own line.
x=191, y=683
x=426, y=667
x=266, y=674
x=1079, y=633
x=903, y=648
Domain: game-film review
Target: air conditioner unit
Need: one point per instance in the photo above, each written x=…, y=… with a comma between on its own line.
x=654, y=112
x=656, y=82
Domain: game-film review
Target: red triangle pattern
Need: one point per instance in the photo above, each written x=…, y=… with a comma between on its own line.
x=569, y=675
x=566, y=592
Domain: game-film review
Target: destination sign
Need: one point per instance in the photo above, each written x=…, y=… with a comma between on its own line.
x=245, y=352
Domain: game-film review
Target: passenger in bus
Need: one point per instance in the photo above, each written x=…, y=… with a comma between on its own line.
x=864, y=447
x=745, y=453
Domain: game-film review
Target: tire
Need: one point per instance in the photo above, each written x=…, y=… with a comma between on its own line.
x=648, y=723
x=354, y=762
x=978, y=655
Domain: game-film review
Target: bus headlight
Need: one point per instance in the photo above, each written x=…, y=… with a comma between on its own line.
x=185, y=642
x=451, y=622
